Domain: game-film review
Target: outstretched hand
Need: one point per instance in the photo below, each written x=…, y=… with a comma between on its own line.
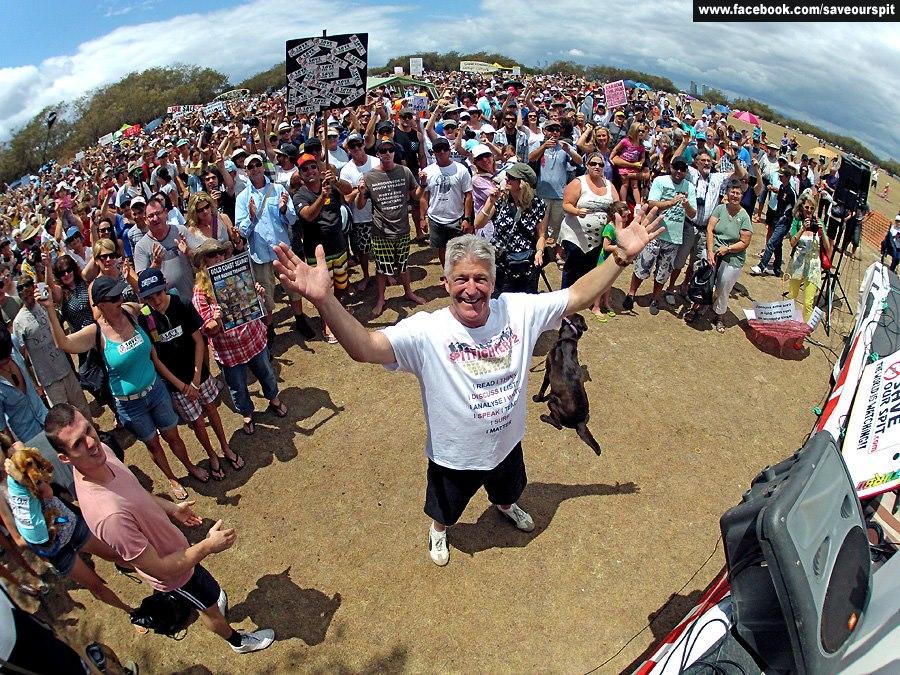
x=313, y=283
x=643, y=229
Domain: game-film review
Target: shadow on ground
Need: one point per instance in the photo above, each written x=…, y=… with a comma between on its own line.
x=541, y=500
x=292, y=612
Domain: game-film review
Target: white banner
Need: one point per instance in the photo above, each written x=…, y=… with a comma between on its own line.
x=476, y=67
x=214, y=107
x=105, y=140
x=415, y=66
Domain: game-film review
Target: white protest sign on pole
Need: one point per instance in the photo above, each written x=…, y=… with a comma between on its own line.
x=517, y=71
x=476, y=67
x=614, y=93
x=415, y=66
x=815, y=318
x=398, y=70
x=105, y=140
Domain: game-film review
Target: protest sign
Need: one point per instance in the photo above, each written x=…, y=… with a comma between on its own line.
x=419, y=103
x=179, y=111
x=415, y=66
x=476, y=67
x=79, y=156
x=517, y=71
x=398, y=70
x=325, y=72
x=871, y=446
x=105, y=140
x=783, y=310
x=614, y=93
x=213, y=108
x=235, y=291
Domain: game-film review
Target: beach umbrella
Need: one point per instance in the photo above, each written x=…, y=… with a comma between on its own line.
x=641, y=85
x=153, y=125
x=747, y=117
x=827, y=153
x=629, y=84
x=722, y=109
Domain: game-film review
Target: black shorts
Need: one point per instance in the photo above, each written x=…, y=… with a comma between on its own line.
x=440, y=233
x=449, y=490
x=201, y=590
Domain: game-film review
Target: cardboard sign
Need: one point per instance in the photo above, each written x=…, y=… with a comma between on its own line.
x=476, y=67
x=517, y=71
x=871, y=446
x=419, y=103
x=614, y=93
x=770, y=312
x=398, y=70
x=415, y=66
x=325, y=73
x=213, y=108
x=235, y=290
x=105, y=140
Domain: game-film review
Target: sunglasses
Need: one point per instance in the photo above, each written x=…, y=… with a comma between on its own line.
x=407, y=116
x=254, y=165
x=106, y=256
x=64, y=272
x=443, y=148
x=386, y=151
x=354, y=145
x=595, y=163
x=204, y=208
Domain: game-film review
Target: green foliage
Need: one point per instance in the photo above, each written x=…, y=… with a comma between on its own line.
x=273, y=77
x=26, y=150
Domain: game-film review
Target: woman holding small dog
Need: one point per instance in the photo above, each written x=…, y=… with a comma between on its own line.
x=520, y=229
x=31, y=504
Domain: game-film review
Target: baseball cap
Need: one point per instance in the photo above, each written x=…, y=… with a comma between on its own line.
x=237, y=153
x=701, y=136
x=252, y=157
x=312, y=145
x=522, y=171
x=355, y=138
x=150, y=281
x=289, y=150
x=679, y=163
x=487, y=129
x=306, y=158
x=406, y=110
x=105, y=289
x=284, y=126
x=384, y=126
x=450, y=123
x=480, y=150
x=332, y=132
x=386, y=145
x=440, y=141
x=162, y=153
x=137, y=200
x=72, y=232
x=230, y=166
x=182, y=142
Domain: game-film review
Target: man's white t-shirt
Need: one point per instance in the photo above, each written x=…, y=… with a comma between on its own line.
x=447, y=187
x=474, y=381
x=352, y=173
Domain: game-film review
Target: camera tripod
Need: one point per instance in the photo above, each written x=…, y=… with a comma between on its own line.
x=832, y=288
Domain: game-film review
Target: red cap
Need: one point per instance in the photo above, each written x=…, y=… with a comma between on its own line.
x=306, y=157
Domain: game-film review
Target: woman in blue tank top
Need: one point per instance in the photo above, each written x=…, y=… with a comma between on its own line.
x=142, y=402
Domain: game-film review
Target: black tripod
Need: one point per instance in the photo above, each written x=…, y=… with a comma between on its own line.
x=832, y=287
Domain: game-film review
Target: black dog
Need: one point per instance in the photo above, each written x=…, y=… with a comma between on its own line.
x=567, y=401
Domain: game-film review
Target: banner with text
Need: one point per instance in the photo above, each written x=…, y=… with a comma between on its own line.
x=614, y=94
x=235, y=290
x=326, y=72
x=476, y=67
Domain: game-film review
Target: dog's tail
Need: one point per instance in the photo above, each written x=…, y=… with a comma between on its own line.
x=585, y=434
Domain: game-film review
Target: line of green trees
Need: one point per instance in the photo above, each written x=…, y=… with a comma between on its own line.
x=141, y=97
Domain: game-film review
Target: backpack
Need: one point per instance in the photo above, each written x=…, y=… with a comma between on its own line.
x=163, y=613
x=700, y=290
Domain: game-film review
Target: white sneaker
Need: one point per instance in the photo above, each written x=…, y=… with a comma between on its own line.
x=256, y=641
x=222, y=602
x=757, y=271
x=522, y=520
x=437, y=546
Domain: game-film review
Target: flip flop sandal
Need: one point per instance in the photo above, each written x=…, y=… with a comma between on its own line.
x=179, y=493
x=330, y=339
x=237, y=463
x=249, y=427
x=601, y=318
x=280, y=409
x=217, y=474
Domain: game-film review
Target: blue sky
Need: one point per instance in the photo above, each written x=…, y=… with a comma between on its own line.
x=843, y=77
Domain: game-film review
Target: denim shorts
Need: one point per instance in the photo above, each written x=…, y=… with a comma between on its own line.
x=63, y=558
x=151, y=413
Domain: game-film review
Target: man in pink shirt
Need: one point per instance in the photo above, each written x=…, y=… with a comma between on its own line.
x=138, y=526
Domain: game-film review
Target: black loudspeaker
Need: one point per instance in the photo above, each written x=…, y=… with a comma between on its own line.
x=798, y=561
x=854, y=179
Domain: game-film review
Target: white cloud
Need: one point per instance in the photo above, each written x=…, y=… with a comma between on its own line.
x=843, y=76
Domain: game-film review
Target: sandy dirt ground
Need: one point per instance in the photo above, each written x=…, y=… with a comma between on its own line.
x=331, y=549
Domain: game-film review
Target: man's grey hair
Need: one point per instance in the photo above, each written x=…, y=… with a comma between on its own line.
x=470, y=246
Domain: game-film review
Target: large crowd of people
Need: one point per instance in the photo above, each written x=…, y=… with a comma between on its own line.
x=105, y=285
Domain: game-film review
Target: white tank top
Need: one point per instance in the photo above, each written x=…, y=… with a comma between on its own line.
x=587, y=232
